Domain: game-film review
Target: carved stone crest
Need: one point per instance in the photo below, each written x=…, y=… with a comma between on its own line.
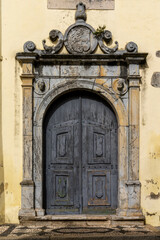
x=79, y=37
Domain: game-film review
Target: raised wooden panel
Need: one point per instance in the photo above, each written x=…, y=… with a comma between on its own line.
x=62, y=188
x=62, y=145
x=99, y=188
x=99, y=145
x=99, y=141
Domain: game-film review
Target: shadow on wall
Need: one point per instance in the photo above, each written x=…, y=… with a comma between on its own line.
x=2, y=196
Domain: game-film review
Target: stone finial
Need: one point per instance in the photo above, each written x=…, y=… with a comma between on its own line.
x=81, y=12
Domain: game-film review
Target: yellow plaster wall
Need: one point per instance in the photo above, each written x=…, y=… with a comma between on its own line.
x=2, y=203
x=132, y=20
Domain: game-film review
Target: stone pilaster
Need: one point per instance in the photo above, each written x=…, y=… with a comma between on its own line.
x=133, y=183
x=27, y=184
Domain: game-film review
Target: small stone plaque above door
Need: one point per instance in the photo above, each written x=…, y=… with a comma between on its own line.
x=90, y=4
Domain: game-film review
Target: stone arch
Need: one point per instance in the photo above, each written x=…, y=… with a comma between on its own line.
x=105, y=93
x=122, y=119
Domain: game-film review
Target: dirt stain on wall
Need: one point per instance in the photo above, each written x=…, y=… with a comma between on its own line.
x=151, y=214
x=154, y=196
x=1, y=188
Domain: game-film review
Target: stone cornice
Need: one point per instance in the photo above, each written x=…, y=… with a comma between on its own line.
x=129, y=58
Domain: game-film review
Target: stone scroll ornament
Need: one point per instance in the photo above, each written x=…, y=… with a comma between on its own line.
x=79, y=38
x=53, y=36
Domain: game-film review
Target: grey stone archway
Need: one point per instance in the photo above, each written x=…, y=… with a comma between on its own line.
x=114, y=76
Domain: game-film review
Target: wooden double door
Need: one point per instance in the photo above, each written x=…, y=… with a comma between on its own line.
x=80, y=156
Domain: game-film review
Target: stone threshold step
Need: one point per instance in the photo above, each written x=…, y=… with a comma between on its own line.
x=133, y=237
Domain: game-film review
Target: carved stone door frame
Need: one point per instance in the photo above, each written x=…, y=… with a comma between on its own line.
x=114, y=76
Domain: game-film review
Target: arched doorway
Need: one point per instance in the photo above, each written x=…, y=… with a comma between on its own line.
x=80, y=155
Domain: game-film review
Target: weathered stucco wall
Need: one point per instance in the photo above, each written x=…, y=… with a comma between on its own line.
x=24, y=20
x=1, y=152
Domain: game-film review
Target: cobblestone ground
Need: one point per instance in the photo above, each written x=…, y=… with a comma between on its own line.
x=48, y=232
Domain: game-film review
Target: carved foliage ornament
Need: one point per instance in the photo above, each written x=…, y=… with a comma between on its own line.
x=79, y=38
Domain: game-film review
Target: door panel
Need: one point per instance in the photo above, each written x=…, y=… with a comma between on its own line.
x=63, y=145
x=99, y=188
x=62, y=194
x=62, y=177
x=99, y=173
x=98, y=145
x=80, y=136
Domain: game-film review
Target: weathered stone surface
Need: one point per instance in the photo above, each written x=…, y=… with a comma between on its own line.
x=134, y=152
x=27, y=68
x=36, y=102
x=100, y=81
x=155, y=82
x=38, y=170
x=50, y=70
x=133, y=195
x=109, y=70
x=123, y=159
x=27, y=111
x=133, y=69
x=123, y=152
x=27, y=197
x=80, y=71
x=134, y=106
x=93, y=4
x=134, y=82
x=125, y=102
x=27, y=155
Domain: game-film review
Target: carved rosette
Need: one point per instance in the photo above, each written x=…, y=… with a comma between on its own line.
x=119, y=86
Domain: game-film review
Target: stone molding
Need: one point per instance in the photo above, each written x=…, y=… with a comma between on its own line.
x=98, y=79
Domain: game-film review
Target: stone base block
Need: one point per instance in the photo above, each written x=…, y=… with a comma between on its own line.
x=26, y=213
x=40, y=212
x=130, y=213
